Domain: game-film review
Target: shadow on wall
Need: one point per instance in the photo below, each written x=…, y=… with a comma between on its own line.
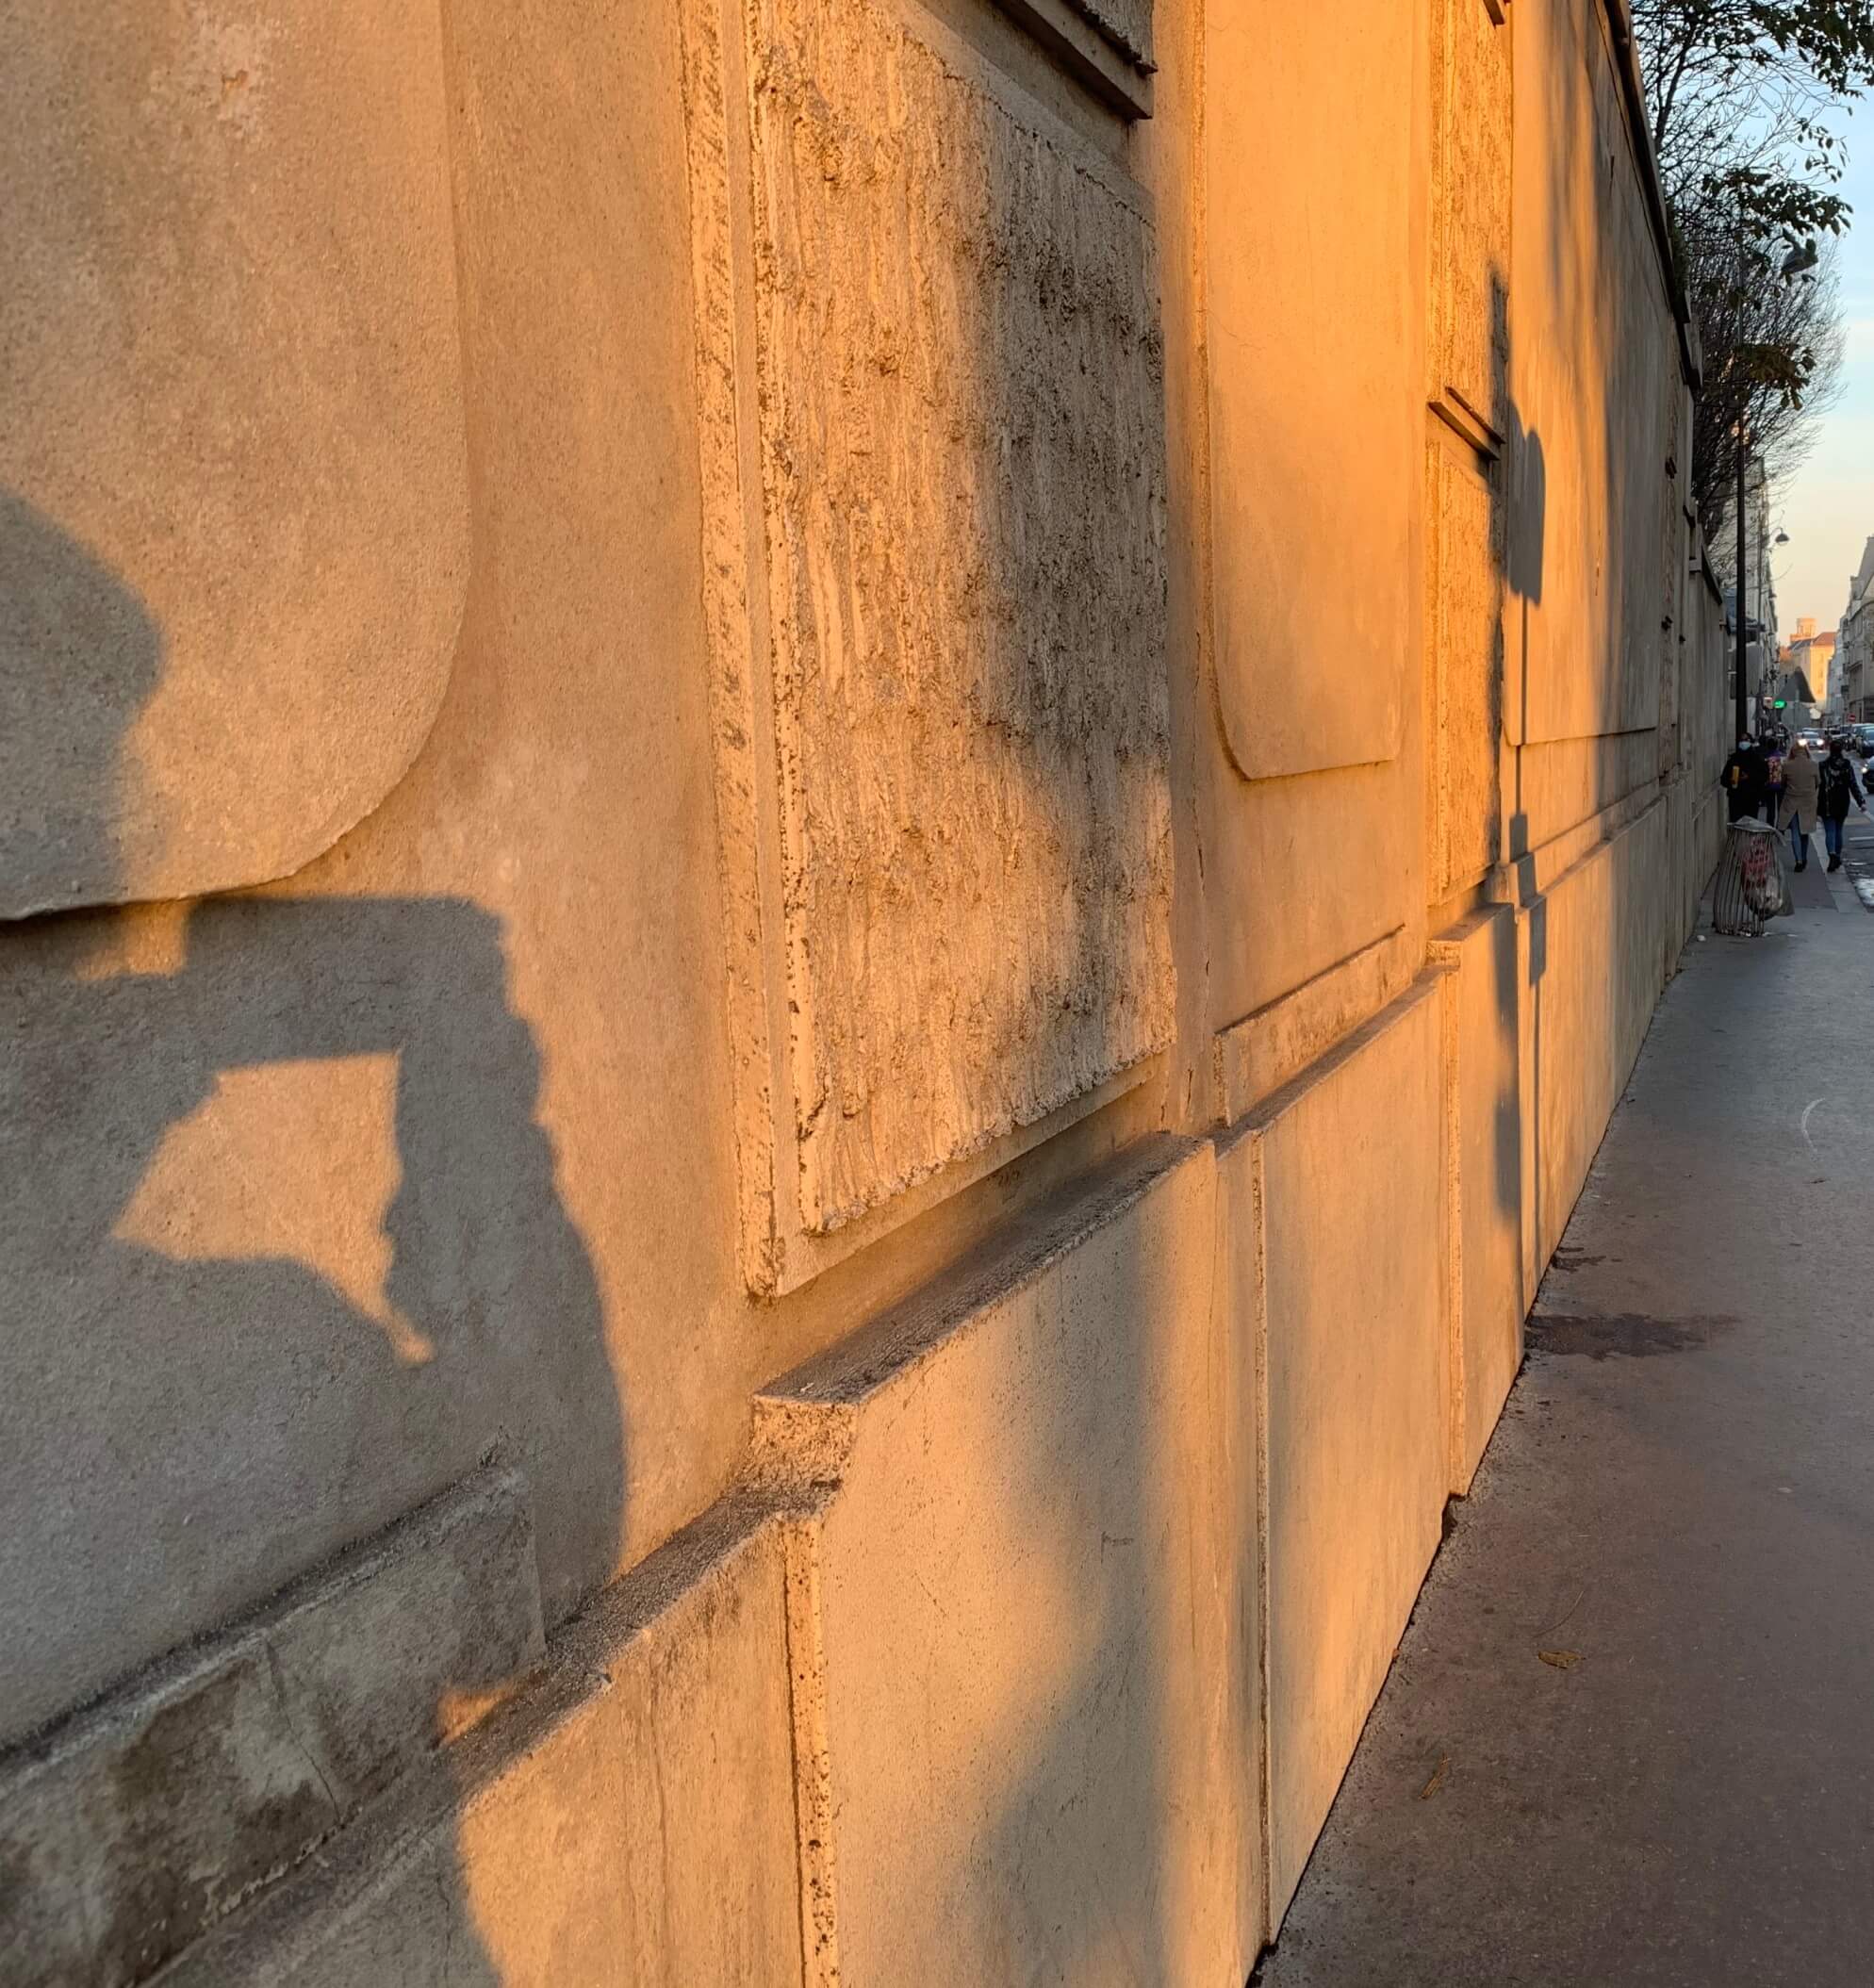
x=71, y=632
x=1594, y=565
x=1521, y=486
x=279, y=1158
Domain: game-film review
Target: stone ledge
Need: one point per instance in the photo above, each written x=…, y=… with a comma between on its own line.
x=132, y=1825
x=1254, y=1057
x=1086, y=54
x=1521, y=881
x=628, y=1814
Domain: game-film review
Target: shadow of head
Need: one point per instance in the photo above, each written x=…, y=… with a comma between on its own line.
x=1528, y=509
x=79, y=658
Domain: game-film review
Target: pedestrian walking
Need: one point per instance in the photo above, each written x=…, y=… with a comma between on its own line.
x=1743, y=781
x=1776, y=751
x=1802, y=790
x=1838, y=787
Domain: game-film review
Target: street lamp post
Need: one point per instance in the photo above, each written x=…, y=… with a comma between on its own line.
x=1742, y=727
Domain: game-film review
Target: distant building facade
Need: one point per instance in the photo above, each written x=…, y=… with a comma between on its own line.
x=1805, y=685
x=1856, y=641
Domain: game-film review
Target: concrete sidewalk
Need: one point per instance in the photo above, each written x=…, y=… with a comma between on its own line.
x=1629, y=1736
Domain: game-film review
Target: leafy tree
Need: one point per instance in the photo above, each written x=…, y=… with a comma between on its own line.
x=1741, y=93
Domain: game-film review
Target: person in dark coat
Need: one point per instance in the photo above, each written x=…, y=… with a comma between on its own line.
x=1838, y=786
x=1743, y=779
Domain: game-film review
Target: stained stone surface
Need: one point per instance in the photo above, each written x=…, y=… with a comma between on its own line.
x=1126, y=23
x=1464, y=598
x=1469, y=359
x=1471, y=96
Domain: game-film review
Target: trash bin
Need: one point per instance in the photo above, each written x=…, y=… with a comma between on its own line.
x=1753, y=886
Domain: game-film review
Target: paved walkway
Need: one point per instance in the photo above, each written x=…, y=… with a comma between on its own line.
x=1630, y=1733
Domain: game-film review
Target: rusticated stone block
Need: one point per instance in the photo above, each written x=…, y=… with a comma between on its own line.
x=935, y=461
x=627, y=1815
x=129, y=1829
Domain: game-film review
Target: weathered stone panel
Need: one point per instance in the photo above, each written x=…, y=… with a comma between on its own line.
x=1469, y=358
x=1470, y=206
x=1126, y=23
x=956, y=459
x=1315, y=344
x=1464, y=650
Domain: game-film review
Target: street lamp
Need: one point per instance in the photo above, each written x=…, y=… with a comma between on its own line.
x=1743, y=729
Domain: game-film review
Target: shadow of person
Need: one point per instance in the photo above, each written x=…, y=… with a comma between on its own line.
x=1524, y=539
x=284, y=1253
x=79, y=658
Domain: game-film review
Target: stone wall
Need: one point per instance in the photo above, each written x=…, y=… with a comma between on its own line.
x=989, y=754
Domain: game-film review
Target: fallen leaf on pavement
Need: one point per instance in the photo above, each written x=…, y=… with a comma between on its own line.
x=1561, y=1659
x=1437, y=1781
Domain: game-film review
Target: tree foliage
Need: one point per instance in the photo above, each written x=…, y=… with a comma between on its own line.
x=1741, y=94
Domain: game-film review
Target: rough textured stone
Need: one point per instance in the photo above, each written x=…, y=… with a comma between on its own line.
x=1463, y=600
x=231, y=381
x=1471, y=99
x=1466, y=384
x=1126, y=23
x=1075, y=43
x=963, y=560
x=129, y=1830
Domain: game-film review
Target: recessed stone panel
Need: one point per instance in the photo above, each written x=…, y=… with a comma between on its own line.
x=1315, y=349
x=934, y=453
x=232, y=481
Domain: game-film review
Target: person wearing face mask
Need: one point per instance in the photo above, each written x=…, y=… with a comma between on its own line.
x=1743, y=781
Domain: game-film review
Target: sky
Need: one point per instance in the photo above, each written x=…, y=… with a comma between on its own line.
x=1827, y=505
